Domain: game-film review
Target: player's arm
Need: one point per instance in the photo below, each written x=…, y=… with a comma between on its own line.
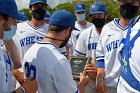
x=100, y=83
x=13, y=52
x=18, y=75
x=29, y=86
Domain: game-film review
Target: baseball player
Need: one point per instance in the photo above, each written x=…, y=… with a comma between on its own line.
x=9, y=59
x=29, y=32
x=129, y=57
x=88, y=39
x=108, y=66
x=53, y=72
x=81, y=24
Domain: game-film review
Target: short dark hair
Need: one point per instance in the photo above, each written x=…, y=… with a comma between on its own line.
x=4, y=16
x=57, y=28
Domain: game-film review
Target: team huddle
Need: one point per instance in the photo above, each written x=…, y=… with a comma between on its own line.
x=35, y=54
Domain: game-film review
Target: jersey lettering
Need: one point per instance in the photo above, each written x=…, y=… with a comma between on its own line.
x=30, y=40
x=112, y=45
x=92, y=46
x=30, y=70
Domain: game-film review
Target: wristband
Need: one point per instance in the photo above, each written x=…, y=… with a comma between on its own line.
x=14, y=92
x=100, y=80
x=23, y=90
x=26, y=90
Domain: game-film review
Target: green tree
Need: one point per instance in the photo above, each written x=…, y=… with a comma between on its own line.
x=112, y=7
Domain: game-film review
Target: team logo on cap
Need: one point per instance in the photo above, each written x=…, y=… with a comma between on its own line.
x=80, y=6
x=94, y=7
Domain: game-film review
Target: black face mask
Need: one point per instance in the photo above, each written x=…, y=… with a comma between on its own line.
x=64, y=42
x=128, y=11
x=39, y=14
x=98, y=22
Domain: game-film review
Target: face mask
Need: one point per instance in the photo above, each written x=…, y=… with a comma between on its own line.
x=81, y=17
x=10, y=33
x=98, y=22
x=39, y=14
x=128, y=11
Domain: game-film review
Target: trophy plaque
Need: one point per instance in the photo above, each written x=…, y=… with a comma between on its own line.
x=77, y=66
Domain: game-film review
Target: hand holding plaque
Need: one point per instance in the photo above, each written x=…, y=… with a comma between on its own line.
x=77, y=66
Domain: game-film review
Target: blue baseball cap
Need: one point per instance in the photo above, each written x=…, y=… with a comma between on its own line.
x=97, y=7
x=79, y=7
x=62, y=18
x=32, y=2
x=24, y=15
x=9, y=8
x=47, y=16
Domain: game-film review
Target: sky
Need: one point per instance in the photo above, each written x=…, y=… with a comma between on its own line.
x=52, y=3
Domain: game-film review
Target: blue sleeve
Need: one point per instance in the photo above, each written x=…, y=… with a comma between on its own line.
x=100, y=64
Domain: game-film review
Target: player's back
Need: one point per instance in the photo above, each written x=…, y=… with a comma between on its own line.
x=109, y=41
x=52, y=68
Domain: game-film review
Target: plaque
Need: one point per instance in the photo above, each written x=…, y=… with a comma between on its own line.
x=77, y=66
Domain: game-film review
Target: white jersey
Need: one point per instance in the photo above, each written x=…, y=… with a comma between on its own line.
x=86, y=46
x=75, y=35
x=6, y=77
x=51, y=69
x=87, y=42
x=106, y=51
x=27, y=35
x=134, y=62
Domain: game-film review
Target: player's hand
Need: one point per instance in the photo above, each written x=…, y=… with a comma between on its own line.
x=101, y=87
x=18, y=75
x=91, y=70
x=30, y=85
x=82, y=83
x=83, y=80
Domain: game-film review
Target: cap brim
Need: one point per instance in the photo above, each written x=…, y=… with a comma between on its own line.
x=97, y=12
x=18, y=16
x=46, y=18
x=38, y=2
x=79, y=10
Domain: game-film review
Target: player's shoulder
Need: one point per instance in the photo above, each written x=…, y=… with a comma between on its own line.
x=136, y=26
x=86, y=31
x=22, y=24
x=45, y=26
x=109, y=24
x=109, y=27
x=89, y=24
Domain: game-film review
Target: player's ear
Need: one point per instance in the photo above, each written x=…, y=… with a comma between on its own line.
x=106, y=16
x=67, y=31
x=30, y=11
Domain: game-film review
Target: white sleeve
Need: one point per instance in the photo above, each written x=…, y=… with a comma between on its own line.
x=63, y=77
x=99, y=51
x=80, y=47
x=70, y=41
